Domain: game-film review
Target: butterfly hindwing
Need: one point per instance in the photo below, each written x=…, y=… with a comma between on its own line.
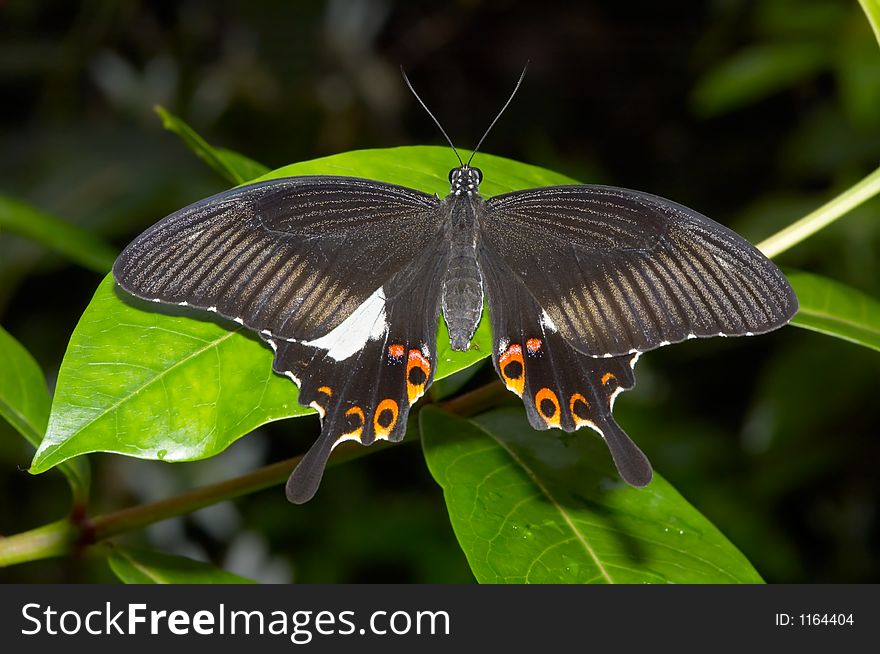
x=559, y=386
x=364, y=376
x=620, y=271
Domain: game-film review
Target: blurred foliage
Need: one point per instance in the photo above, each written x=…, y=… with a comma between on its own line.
x=753, y=112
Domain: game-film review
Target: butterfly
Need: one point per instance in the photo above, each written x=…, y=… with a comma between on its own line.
x=345, y=279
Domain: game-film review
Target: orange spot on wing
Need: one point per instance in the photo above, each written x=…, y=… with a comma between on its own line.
x=545, y=400
x=357, y=431
x=321, y=406
x=579, y=420
x=418, y=370
x=608, y=377
x=533, y=345
x=380, y=417
x=513, y=369
x=395, y=351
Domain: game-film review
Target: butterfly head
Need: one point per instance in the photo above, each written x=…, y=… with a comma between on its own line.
x=465, y=180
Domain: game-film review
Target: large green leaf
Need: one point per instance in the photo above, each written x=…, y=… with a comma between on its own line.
x=542, y=507
x=24, y=403
x=233, y=166
x=832, y=308
x=141, y=566
x=169, y=384
x=66, y=239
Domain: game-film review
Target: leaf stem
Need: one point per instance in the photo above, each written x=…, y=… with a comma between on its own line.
x=65, y=536
x=822, y=217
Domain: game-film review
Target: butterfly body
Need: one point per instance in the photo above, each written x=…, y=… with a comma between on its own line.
x=462, y=300
x=345, y=280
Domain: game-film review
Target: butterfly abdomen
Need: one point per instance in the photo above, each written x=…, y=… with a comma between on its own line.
x=462, y=297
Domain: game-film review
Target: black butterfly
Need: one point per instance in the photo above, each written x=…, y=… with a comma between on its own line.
x=345, y=278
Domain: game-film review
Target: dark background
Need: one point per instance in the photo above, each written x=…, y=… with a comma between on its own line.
x=754, y=113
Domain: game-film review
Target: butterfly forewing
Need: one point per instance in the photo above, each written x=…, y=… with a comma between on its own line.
x=293, y=257
x=619, y=271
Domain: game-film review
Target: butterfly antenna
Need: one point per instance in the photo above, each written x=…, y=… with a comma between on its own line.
x=425, y=107
x=515, y=89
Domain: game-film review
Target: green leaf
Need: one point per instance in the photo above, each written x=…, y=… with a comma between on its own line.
x=244, y=168
x=166, y=383
x=155, y=383
x=141, y=566
x=234, y=167
x=24, y=403
x=66, y=239
x=545, y=507
x=24, y=398
x=872, y=12
x=835, y=309
x=755, y=73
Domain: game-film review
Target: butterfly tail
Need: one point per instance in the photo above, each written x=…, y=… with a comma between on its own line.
x=630, y=461
x=304, y=480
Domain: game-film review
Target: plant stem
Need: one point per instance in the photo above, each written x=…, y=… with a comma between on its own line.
x=822, y=217
x=50, y=540
x=135, y=517
x=63, y=536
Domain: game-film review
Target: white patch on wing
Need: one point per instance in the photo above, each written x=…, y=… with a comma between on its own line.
x=317, y=407
x=342, y=439
x=547, y=322
x=366, y=323
x=592, y=425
